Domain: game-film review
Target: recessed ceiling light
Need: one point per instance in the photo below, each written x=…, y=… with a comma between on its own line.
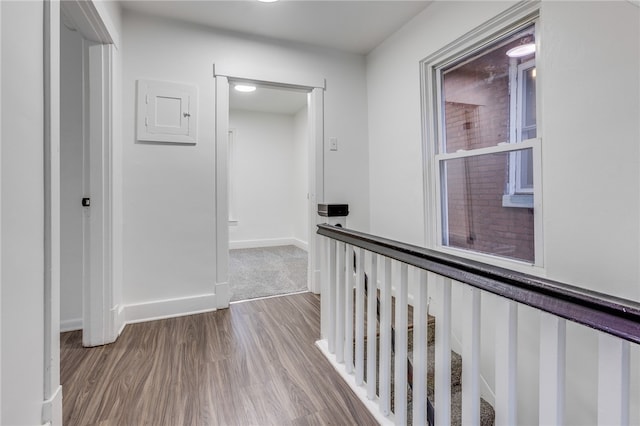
x=244, y=88
x=522, y=50
x=268, y=1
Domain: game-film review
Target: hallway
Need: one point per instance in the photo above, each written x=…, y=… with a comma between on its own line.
x=254, y=363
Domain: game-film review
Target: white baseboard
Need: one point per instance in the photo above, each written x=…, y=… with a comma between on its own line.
x=301, y=244
x=119, y=319
x=52, y=409
x=270, y=242
x=169, y=308
x=223, y=295
x=70, y=325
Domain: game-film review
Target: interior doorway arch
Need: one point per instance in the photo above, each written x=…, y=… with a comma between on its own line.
x=315, y=106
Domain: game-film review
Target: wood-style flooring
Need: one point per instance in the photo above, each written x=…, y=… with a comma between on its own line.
x=252, y=364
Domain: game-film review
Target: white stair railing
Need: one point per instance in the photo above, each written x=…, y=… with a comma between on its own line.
x=369, y=347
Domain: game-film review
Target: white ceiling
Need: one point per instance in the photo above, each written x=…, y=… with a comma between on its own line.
x=355, y=26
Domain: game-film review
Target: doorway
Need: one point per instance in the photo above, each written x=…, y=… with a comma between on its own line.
x=82, y=201
x=268, y=191
x=314, y=89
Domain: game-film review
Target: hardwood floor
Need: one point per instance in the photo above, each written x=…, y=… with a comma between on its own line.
x=252, y=364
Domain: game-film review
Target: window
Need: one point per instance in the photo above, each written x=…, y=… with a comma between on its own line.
x=482, y=143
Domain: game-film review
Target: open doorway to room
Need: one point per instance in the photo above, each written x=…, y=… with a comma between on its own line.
x=268, y=191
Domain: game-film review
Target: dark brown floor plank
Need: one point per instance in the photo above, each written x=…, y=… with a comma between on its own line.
x=252, y=364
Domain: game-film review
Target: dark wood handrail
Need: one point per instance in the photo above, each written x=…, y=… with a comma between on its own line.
x=613, y=315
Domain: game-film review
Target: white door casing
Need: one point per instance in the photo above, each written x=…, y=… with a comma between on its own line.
x=223, y=294
x=316, y=184
x=1, y=216
x=52, y=392
x=98, y=319
x=315, y=103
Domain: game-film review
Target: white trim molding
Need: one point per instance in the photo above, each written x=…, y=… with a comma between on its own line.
x=222, y=191
x=91, y=20
x=315, y=122
x=52, y=408
x=170, y=308
x=1, y=214
x=98, y=290
x=52, y=404
x=279, y=78
x=119, y=319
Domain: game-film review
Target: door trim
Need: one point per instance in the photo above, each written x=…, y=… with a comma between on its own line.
x=52, y=404
x=222, y=291
x=1, y=213
x=91, y=25
x=98, y=320
x=315, y=104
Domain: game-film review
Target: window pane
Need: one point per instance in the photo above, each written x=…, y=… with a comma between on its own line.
x=478, y=95
x=529, y=113
x=475, y=218
x=524, y=170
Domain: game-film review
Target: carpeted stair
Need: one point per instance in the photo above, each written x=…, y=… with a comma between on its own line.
x=487, y=414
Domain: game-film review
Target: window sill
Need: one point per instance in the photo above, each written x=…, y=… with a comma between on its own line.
x=524, y=201
x=536, y=269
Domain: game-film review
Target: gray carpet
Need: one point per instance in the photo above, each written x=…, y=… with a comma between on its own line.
x=268, y=271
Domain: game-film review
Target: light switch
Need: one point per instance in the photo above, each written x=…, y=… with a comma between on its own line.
x=333, y=144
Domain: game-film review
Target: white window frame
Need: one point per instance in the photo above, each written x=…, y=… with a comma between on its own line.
x=517, y=195
x=434, y=156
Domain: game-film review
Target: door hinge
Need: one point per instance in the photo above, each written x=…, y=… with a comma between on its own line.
x=86, y=202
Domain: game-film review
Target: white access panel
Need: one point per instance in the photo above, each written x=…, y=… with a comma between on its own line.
x=167, y=112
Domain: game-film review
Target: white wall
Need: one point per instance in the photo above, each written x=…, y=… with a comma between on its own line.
x=71, y=159
x=589, y=72
x=300, y=176
x=22, y=213
x=263, y=178
x=169, y=239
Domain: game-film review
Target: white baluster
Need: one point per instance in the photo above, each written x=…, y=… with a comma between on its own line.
x=330, y=279
x=420, y=360
x=552, y=369
x=400, y=385
x=443, y=356
x=340, y=302
x=372, y=297
x=471, y=356
x=613, y=380
x=385, y=339
x=359, y=317
x=506, y=363
x=348, y=344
